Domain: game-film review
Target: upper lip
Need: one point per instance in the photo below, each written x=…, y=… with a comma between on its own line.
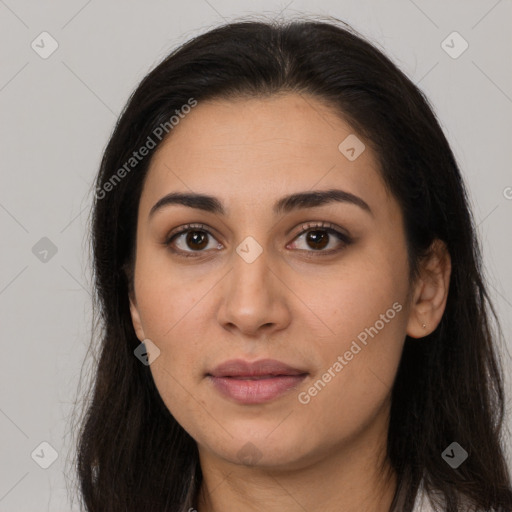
x=242, y=368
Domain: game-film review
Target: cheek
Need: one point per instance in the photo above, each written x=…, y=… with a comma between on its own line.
x=172, y=318
x=173, y=376
x=346, y=299
x=171, y=314
x=356, y=379
x=365, y=312
x=167, y=298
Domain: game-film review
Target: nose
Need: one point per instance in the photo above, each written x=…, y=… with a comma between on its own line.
x=254, y=300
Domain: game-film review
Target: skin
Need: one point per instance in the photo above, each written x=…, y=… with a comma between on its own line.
x=214, y=306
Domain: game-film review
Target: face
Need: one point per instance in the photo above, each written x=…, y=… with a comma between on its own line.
x=320, y=286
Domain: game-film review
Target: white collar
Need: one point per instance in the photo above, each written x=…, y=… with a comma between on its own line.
x=422, y=502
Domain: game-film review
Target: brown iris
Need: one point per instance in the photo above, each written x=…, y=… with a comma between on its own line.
x=317, y=239
x=197, y=237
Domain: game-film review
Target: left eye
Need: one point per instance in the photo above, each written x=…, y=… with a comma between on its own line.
x=318, y=237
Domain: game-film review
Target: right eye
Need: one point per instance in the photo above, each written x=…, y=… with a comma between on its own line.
x=193, y=236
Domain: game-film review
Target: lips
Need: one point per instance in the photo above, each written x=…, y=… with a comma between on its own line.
x=255, y=382
x=256, y=369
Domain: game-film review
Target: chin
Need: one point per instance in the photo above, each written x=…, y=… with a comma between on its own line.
x=263, y=448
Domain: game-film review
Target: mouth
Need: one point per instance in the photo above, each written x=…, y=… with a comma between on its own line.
x=255, y=382
x=257, y=377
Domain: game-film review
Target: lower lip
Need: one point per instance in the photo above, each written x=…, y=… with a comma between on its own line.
x=256, y=391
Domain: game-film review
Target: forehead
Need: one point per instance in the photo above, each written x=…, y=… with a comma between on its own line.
x=254, y=150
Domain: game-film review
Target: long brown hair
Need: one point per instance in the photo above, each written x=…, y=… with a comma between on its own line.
x=132, y=454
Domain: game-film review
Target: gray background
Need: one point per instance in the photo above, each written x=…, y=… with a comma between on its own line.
x=58, y=112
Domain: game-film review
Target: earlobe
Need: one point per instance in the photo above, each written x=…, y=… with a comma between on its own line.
x=431, y=292
x=137, y=324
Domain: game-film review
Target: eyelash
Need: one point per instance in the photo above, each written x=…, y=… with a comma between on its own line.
x=311, y=226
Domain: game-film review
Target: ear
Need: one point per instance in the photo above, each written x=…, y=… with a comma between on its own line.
x=137, y=324
x=430, y=291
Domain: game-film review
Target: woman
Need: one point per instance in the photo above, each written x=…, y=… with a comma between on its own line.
x=293, y=310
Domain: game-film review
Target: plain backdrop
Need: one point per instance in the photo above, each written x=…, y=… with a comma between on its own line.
x=58, y=112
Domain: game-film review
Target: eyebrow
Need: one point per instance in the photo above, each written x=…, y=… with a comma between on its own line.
x=286, y=204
